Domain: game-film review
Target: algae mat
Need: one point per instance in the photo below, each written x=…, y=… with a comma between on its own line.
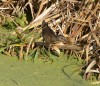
x=60, y=73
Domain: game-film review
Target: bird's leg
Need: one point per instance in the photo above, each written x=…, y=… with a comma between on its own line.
x=49, y=50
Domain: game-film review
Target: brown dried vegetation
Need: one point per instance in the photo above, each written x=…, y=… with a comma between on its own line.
x=77, y=20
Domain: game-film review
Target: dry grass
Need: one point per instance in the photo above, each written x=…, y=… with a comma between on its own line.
x=77, y=20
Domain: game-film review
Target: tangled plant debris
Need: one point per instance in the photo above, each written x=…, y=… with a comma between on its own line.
x=77, y=20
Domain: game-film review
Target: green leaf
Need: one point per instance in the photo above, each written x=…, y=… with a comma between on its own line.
x=32, y=53
x=37, y=53
x=2, y=49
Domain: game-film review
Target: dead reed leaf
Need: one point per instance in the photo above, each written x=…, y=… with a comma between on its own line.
x=55, y=48
x=90, y=66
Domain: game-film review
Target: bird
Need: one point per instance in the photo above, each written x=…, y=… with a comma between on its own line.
x=49, y=37
x=61, y=38
x=48, y=34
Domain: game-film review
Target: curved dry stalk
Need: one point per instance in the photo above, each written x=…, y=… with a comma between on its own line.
x=21, y=53
x=41, y=7
x=28, y=46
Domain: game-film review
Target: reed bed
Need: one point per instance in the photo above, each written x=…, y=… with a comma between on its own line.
x=77, y=20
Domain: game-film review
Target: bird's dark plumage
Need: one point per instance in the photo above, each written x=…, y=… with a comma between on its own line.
x=61, y=38
x=49, y=36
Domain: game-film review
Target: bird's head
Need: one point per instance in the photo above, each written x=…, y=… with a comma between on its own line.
x=44, y=24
